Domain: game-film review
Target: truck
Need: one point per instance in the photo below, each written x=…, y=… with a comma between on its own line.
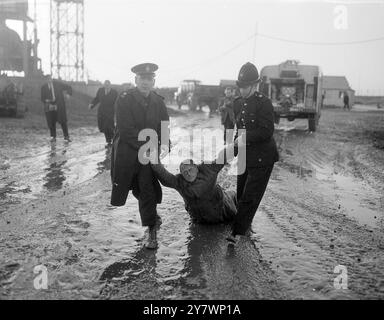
x=8, y=96
x=194, y=94
x=295, y=91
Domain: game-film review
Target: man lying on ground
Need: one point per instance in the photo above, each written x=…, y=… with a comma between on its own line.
x=205, y=201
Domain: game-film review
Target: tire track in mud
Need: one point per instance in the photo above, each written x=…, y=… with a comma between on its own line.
x=328, y=242
x=303, y=222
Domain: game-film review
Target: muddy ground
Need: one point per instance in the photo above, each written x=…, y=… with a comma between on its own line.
x=323, y=208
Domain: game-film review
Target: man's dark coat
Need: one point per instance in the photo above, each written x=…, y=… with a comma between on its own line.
x=106, y=110
x=59, y=88
x=204, y=199
x=255, y=114
x=133, y=114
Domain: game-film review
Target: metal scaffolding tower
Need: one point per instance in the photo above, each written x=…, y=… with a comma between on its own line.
x=67, y=39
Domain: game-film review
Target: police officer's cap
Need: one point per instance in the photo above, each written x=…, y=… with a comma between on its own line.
x=145, y=69
x=248, y=75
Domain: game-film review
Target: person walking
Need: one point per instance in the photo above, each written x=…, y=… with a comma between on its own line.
x=346, y=101
x=138, y=109
x=204, y=199
x=105, y=98
x=52, y=96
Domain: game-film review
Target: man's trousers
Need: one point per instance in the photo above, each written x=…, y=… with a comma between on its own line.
x=251, y=187
x=51, y=117
x=144, y=191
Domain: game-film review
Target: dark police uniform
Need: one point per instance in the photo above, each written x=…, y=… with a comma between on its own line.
x=134, y=112
x=255, y=115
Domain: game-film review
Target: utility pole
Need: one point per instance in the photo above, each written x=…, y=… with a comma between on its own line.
x=35, y=39
x=67, y=39
x=254, y=42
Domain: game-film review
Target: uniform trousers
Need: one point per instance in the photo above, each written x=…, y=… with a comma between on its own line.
x=251, y=187
x=144, y=191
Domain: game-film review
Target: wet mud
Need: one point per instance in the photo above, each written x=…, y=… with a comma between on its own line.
x=323, y=208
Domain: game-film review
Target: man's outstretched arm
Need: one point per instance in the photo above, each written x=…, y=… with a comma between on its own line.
x=225, y=155
x=166, y=178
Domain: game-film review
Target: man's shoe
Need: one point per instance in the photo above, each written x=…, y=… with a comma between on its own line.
x=159, y=221
x=53, y=139
x=152, y=239
x=67, y=139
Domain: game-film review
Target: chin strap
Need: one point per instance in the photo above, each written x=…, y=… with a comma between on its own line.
x=250, y=92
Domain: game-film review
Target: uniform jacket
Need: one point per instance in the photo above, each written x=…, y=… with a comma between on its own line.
x=204, y=199
x=59, y=88
x=226, y=111
x=106, y=110
x=133, y=114
x=255, y=114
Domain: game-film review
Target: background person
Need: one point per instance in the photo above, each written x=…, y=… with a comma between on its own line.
x=346, y=101
x=52, y=96
x=227, y=114
x=106, y=98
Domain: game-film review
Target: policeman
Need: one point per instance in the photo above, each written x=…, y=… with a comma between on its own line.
x=137, y=109
x=254, y=113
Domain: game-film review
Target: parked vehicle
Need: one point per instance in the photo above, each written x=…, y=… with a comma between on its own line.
x=8, y=96
x=295, y=91
x=196, y=95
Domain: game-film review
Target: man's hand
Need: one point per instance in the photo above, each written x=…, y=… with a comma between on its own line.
x=151, y=156
x=164, y=150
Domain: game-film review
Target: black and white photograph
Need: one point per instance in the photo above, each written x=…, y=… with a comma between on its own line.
x=189, y=154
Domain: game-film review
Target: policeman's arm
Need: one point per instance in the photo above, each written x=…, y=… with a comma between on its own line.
x=166, y=178
x=227, y=153
x=265, y=126
x=125, y=124
x=164, y=117
x=164, y=112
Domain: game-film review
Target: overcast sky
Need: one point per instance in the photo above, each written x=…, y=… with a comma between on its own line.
x=209, y=40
